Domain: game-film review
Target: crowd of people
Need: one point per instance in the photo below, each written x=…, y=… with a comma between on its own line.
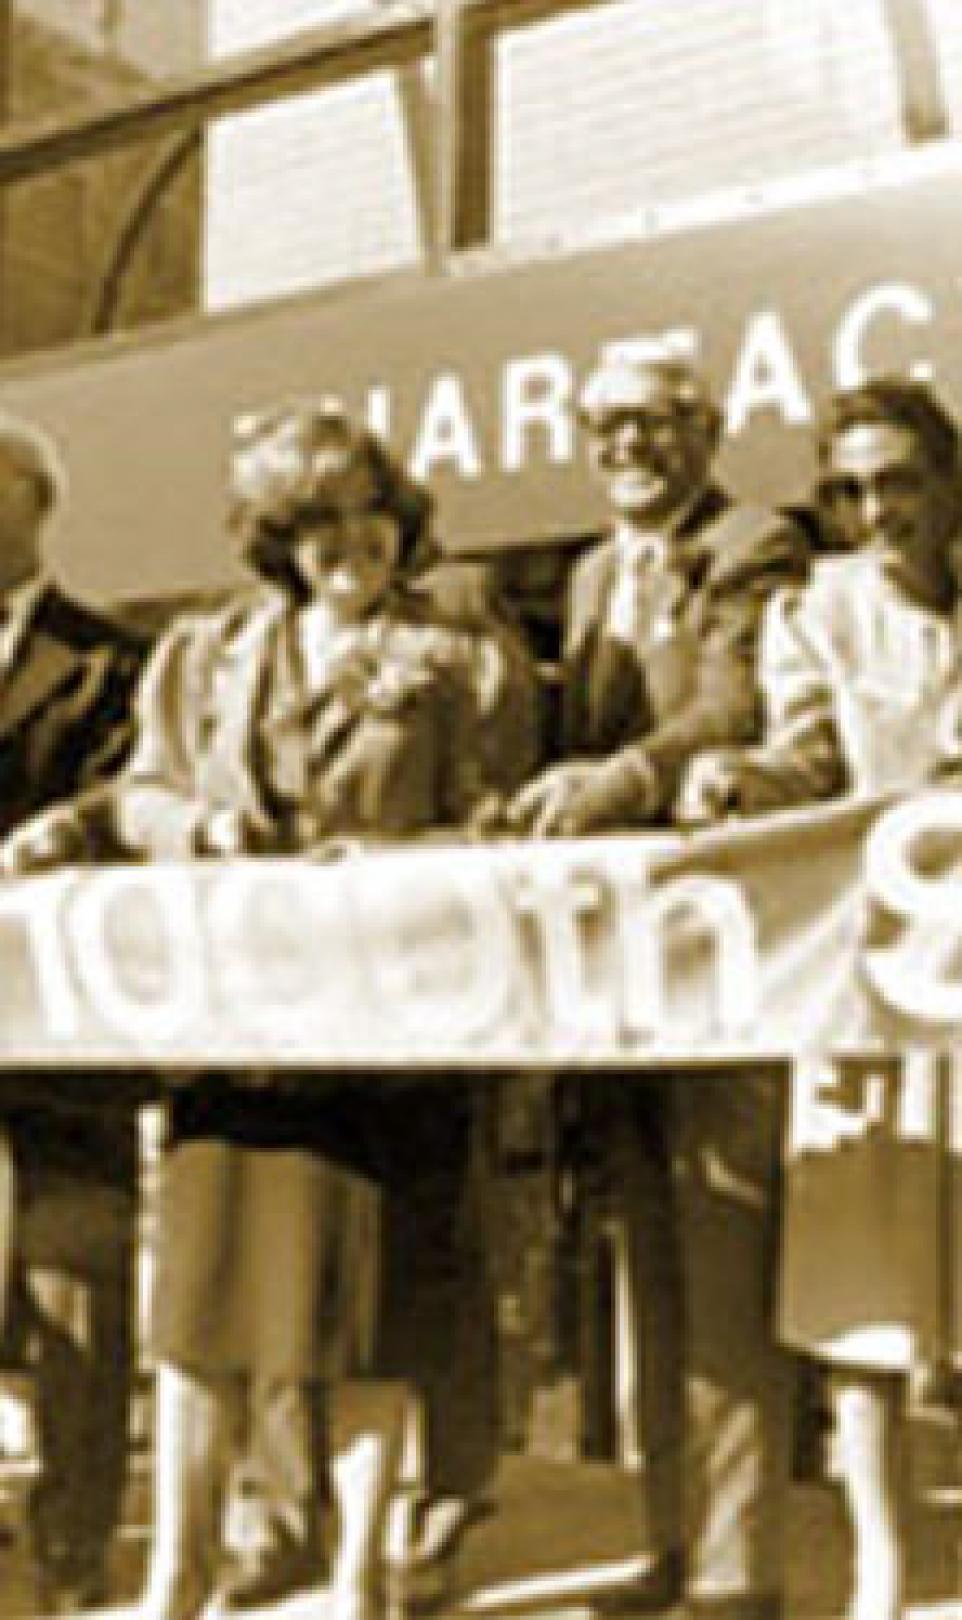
x=714, y=665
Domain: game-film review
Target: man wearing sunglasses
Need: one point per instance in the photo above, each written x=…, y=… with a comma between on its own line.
x=660, y=644
x=859, y=669
x=660, y=662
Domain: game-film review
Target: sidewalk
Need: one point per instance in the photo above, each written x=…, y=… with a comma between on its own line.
x=557, y=1532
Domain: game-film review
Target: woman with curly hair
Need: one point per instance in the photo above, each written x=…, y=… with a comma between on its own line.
x=329, y=703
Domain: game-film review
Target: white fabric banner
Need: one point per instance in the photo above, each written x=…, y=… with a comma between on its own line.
x=831, y=928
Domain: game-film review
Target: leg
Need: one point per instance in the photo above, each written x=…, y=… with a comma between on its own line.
x=288, y=1455
x=643, y=1201
x=368, y=1438
x=728, y=1132
x=437, y=1321
x=437, y=1330
x=195, y=1426
x=58, y=1310
x=867, y=1408
x=106, y=1403
x=285, y=1485
x=76, y=1254
x=640, y=1207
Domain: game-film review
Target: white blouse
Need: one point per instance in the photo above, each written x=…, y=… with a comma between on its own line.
x=888, y=669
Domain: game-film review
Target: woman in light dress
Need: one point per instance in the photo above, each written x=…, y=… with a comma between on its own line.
x=862, y=675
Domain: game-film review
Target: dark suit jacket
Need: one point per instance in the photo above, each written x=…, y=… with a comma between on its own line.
x=65, y=709
x=65, y=725
x=697, y=688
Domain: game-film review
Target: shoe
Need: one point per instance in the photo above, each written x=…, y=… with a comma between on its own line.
x=659, y=1591
x=417, y=1572
x=271, y=1574
x=411, y=1592
x=72, y=1592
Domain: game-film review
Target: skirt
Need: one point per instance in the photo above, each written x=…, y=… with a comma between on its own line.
x=267, y=1239
x=871, y=1265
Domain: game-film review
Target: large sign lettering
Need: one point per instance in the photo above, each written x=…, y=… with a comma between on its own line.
x=473, y=375
x=823, y=928
x=535, y=393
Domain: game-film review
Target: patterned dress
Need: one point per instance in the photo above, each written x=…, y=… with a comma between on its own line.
x=269, y=1203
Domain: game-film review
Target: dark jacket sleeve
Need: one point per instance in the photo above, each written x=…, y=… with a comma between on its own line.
x=77, y=738
x=587, y=592
x=110, y=720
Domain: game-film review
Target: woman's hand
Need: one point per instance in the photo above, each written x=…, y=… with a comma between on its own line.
x=55, y=838
x=490, y=818
x=228, y=832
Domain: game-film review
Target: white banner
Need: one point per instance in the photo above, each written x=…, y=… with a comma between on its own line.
x=829, y=928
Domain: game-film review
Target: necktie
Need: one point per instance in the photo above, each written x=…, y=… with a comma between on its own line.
x=646, y=595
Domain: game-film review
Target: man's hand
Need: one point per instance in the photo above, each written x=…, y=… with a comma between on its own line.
x=586, y=796
x=537, y=810
x=55, y=838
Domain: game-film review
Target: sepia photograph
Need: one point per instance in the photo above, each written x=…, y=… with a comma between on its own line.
x=480, y=809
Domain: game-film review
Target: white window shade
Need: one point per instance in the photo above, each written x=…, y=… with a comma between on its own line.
x=648, y=102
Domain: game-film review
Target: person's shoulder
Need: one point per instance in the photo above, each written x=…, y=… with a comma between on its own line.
x=225, y=619
x=200, y=639
x=743, y=529
x=456, y=591
x=742, y=540
x=596, y=562
x=438, y=633
x=85, y=628
x=826, y=600
x=837, y=581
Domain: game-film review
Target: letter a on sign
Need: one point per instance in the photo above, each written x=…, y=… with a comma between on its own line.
x=446, y=433
x=766, y=376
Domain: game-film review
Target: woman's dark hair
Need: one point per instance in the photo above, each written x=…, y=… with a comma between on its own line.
x=291, y=467
x=899, y=402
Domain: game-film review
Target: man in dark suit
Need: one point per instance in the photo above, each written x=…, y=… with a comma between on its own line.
x=65, y=1248
x=659, y=664
x=663, y=613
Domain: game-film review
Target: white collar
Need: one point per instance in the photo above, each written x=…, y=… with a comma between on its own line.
x=19, y=608
x=634, y=543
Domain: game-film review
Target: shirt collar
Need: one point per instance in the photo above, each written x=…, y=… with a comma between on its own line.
x=652, y=546
x=18, y=606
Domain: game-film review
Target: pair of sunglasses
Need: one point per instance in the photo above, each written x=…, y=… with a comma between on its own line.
x=847, y=489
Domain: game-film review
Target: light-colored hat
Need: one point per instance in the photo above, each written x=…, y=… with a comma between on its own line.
x=34, y=452
x=622, y=378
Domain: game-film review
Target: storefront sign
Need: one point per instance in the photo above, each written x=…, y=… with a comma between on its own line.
x=473, y=375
